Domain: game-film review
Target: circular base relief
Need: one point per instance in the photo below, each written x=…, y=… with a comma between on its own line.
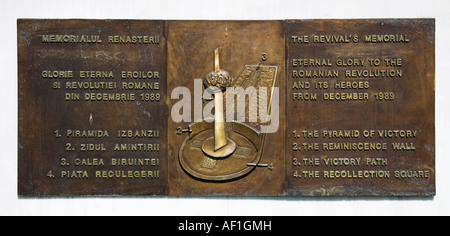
x=196, y=163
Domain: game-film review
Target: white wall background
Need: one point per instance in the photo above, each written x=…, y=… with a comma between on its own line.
x=10, y=10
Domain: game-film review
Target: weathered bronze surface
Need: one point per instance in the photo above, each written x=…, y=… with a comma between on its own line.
x=100, y=108
x=241, y=47
x=358, y=108
x=63, y=145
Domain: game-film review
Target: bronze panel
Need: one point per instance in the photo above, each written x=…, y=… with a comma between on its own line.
x=190, y=55
x=405, y=108
x=53, y=131
x=342, y=109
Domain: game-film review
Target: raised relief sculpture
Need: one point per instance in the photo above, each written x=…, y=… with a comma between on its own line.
x=225, y=151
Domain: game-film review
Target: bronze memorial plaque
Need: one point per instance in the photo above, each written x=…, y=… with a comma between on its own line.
x=360, y=108
x=92, y=107
x=226, y=108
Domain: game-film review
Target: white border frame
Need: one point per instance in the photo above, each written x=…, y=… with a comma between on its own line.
x=11, y=10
